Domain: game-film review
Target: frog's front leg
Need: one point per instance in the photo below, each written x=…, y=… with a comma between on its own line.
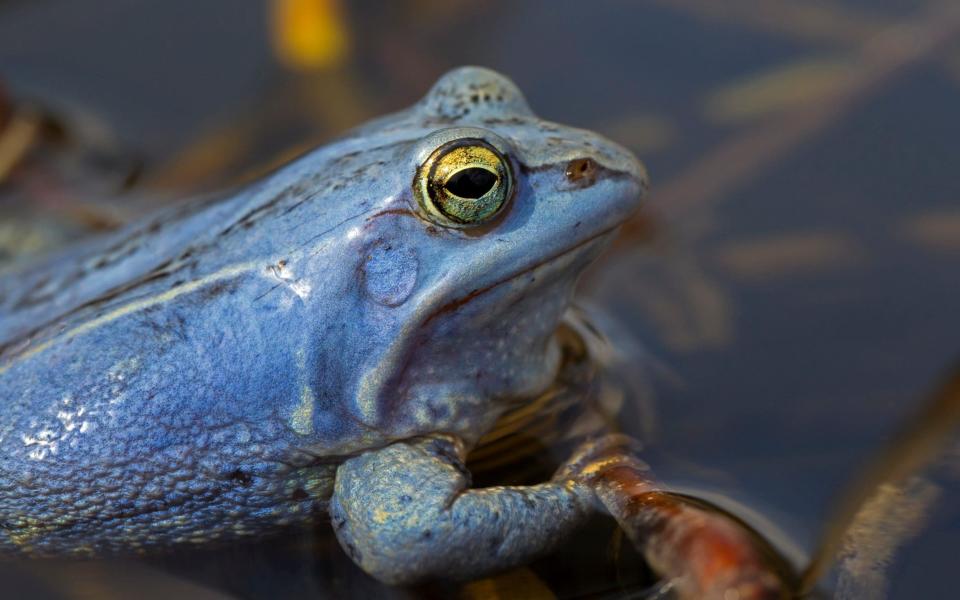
x=405, y=513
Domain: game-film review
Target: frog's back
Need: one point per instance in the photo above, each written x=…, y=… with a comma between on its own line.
x=185, y=243
x=106, y=268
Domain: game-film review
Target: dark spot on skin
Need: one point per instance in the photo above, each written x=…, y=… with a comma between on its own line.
x=443, y=451
x=391, y=211
x=504, y=121
x=446, y=453
x=216, y=289
x=299, y=495
x=405, y=499
x=427, y=534
x=32, y=298
x=161, y=268
x=348, y=156
x=253, y=216
x=241, y=477
x=123, y=248
x=352, y=552
x=438, y=412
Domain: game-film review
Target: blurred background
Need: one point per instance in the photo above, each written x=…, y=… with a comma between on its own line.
x=792, y=285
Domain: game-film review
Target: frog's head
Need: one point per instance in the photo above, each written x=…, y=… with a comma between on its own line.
x=470, y=266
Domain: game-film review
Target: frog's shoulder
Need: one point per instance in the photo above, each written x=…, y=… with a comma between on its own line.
x=291, y=207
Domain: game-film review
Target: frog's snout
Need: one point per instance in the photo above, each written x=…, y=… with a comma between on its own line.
x=626, y=163
x=614, y=164
x=582, y=171
x=638, y=173
x=635, y=172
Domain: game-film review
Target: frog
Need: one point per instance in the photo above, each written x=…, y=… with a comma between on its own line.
x=327, y=343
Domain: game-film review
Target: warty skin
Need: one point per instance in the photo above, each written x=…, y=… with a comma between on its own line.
x=225, y=367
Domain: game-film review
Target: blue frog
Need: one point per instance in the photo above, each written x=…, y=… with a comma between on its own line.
x=326, y=343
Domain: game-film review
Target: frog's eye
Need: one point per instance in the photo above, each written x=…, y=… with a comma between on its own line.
x=462, y=183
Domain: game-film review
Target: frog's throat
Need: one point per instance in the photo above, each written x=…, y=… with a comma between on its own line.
x=378, y=382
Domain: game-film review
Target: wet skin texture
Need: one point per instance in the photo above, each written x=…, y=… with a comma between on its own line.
x=313, y=346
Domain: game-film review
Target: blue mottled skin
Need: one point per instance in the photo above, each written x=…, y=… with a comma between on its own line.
x=312, y=342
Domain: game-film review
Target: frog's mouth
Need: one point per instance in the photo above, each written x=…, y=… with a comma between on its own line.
x=589, y=248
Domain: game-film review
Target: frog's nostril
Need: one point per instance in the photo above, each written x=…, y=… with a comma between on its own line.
x=471, y=183
x=582, y=171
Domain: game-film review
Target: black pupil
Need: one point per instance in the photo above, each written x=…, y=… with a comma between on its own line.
x=471, y=183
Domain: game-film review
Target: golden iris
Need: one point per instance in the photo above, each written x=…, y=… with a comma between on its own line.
x=464, y=182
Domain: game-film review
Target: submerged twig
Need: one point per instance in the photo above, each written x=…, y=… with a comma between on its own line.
x=702, y=552
x=918, y=444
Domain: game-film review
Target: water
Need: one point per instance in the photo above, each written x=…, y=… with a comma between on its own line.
x=793, y=279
